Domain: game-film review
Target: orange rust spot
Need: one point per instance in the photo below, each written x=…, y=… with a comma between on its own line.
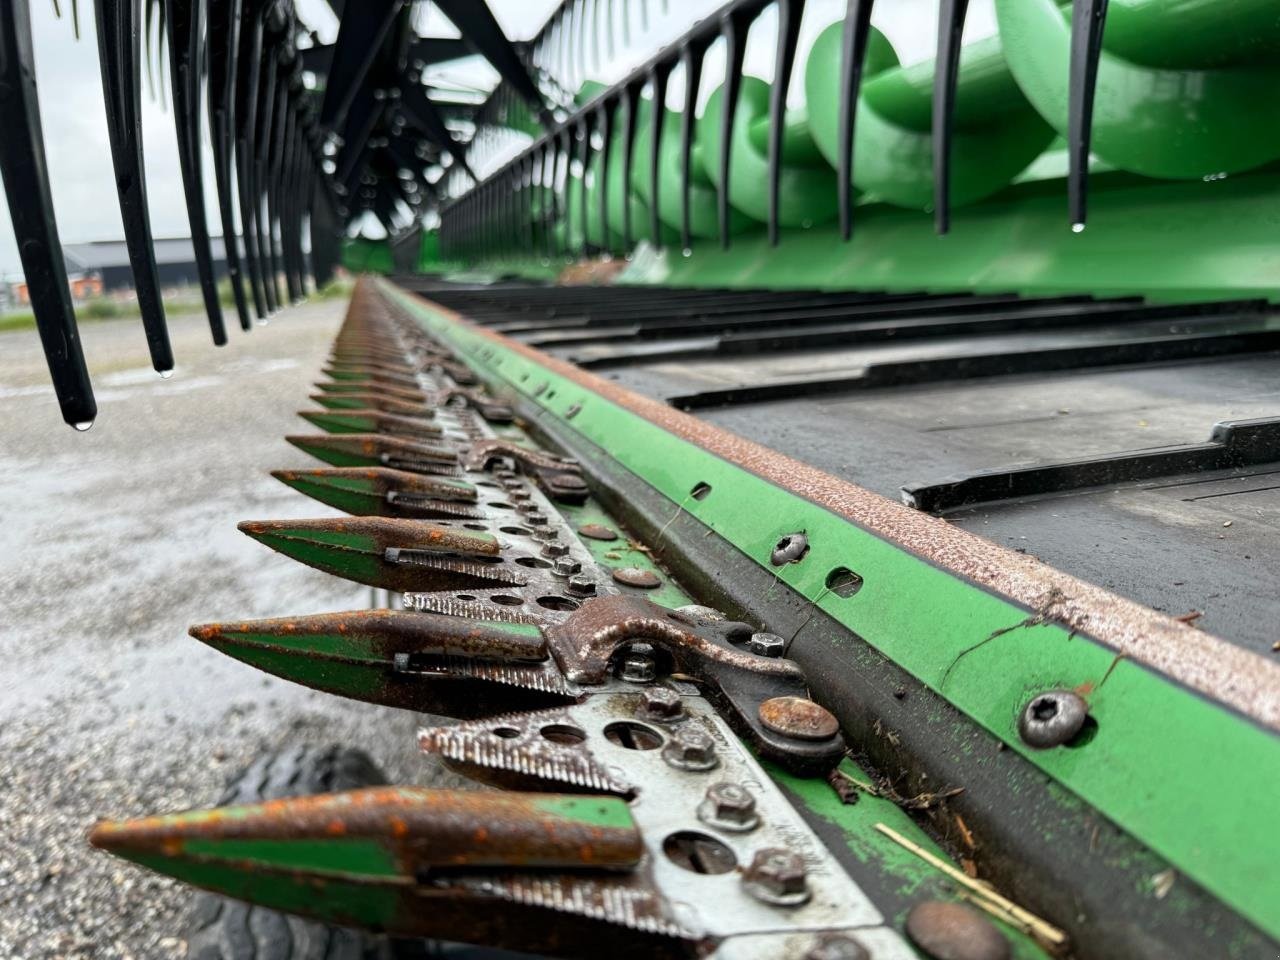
x=171, y=847
x=335, y=828
x=481, y=834
x=399, y=828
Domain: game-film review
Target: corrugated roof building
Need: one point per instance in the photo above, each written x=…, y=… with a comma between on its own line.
x=175, y=261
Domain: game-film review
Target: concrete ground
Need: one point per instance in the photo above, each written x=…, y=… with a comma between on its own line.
x=114, y=541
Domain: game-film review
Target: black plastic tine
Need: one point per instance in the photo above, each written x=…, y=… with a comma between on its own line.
x=186, y=67
x=119, y=47
x=691, y=56
x=26, y=183
x=951, y=15
x=1088, y=18
x=658, y=82
x=857, y=29
x=246, y=116
x=606, y=153
x=790, y=13
x=734, y=29
x=552, y=197
x=564, y=142
x=224, y=42
x=630, y=106
x=584, y=126
x=275, y=159
x=262, y=147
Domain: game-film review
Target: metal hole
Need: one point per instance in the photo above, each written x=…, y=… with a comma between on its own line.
x=501, y=506
x=558, y=603
x=843, y=582
x=563, y=733
x=506, y=599
x=506, y=733
x=518, y=531
x=475, y=526
x=464, y=597
x=485, y=483
x=633, y=736
x=698, y=852
x=535, y=562
x=700, y=490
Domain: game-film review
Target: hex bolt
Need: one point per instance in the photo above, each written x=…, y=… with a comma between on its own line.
x=1052, y=718
x=947, y=930
x=691, y=748
x=766, y=644
x=554, y=550
x=518, y=494
x=526, y=508
x=837, y=946
x=789, y=549
x=635, y=663
x=565, y=566
x=536, y=519
x=545, y=534
x=582, y=585
x=661, y=704
x=777, y=876
x=729, y=806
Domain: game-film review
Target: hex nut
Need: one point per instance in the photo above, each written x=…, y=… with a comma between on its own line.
x=777, y=876
x=554, y=550
x=661, y=704
x=837, y=946
x=766, y=644
x=536, y=519
x=638, y=668
x=952, y=931
x=1052, y=718
x=729, y=806
x=691, y=748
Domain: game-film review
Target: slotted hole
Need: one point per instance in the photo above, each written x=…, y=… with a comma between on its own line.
x=475, y=526
x=698, y=853
x=506, y=599
x=563, y=733
x=506, y=733
x=500, y=505
x=516, y=531
x=464, y=597
x=700, y=490
x=843, y=582
x=558, y=603
x=632, y=736
x=535, y=563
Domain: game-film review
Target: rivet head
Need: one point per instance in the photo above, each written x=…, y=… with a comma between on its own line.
x=837, y=946
x=660, y=703
x=637, y=577
x=691, y=748
x=1052, y=718
x=777, y=876
x=789, y=549
x=597, y=531
x=729, y=806
x=799, y=718
x=952, y=931
x=766, y=644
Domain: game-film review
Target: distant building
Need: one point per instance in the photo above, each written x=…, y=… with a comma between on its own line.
x=84, y=286
x=109, y=259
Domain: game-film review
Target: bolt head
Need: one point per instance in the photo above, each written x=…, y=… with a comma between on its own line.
x=526, y=508
x=777, y=875
x=565, y=566
x=766, y=644
x=691, y=748
x=837, y=946
x=536, y=519
x=555, y=550
x=1052, y=718
x=729, y=806
x=638, y=668
x=582, y=585
x=660, y=703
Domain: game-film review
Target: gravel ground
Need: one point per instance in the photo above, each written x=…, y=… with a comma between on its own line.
x=114, y=542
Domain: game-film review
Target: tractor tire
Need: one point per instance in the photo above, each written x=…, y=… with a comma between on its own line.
x=223, y=929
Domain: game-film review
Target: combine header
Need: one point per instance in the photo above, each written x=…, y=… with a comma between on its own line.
x=797, y=506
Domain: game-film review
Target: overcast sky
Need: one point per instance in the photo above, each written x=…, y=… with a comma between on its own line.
x=75, y=127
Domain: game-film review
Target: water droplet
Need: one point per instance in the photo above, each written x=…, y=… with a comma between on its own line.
x=263, y=321
x=83, y=425
x=1077, y=228
x=686, y=252
x=166, y=374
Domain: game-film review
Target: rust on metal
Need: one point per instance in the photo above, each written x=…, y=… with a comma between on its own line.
x=952, y=931
x=799, y=718
x=421, y=829
x=637, y=577
x=561, y=478
x=372, y=449
x=597, y=531
x=371, y=420
x=588, y=639
x=382, y=481
x=373, y=401
x=1221, y=670
x=408, y=394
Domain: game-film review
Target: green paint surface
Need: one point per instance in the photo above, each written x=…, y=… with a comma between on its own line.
x=608, y=812
x=618, y=554
x=1178, y=772
x=343, y=423
x=333, y=901
x=362, y=856
x=349, y=494
x=346, y=678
